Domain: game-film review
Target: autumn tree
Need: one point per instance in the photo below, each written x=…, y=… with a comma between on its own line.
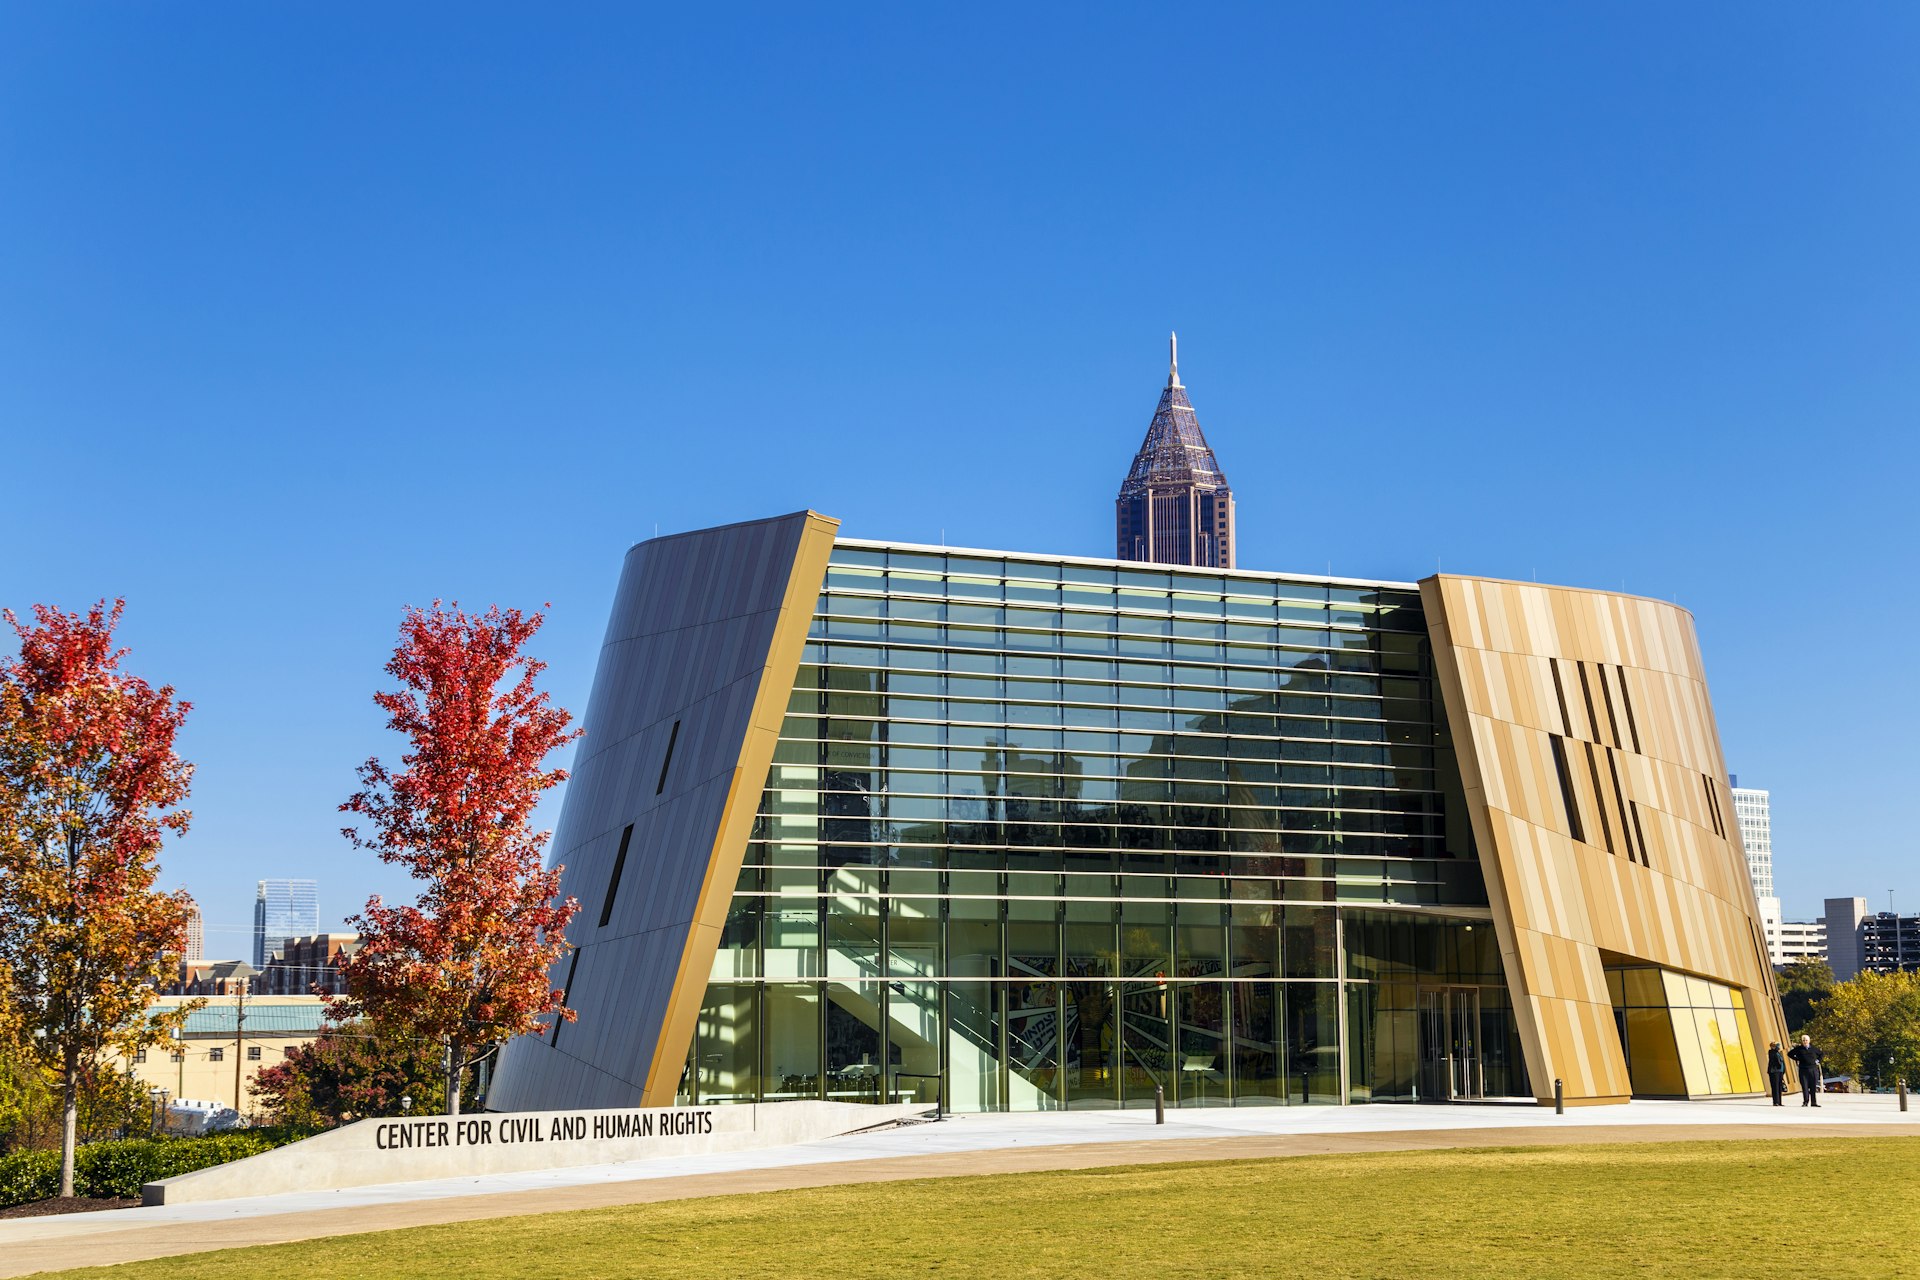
x=90, y=785
x=466, y=966
x=1803, y=985
x=1869, y=1028
x=351, y=1072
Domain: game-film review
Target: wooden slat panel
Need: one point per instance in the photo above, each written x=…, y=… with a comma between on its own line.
x=1558, y=902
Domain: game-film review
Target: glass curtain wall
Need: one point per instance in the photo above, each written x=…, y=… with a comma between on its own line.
x=1684, y=1036
x=1043, y=834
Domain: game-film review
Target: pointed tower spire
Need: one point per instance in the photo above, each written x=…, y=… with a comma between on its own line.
x=1175, y=506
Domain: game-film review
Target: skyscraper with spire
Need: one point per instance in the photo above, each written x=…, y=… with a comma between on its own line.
x=1175, y=506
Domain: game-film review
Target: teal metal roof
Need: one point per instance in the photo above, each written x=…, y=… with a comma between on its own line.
x=260, y=1020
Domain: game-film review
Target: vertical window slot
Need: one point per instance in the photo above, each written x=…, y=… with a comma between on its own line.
x=1606, y=692
x=1620, y=796
x=613, y=881
x=1566, y=787
x=1633, y=726
x=1639, y=835
x=1599, y=802
x=566, y=989
x=1586, y=691
x=667, y=761
x=1560, y=693
x=1713, y=807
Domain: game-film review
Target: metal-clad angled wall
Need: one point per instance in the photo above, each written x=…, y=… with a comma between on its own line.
x=1601, y=808
x=692, y=685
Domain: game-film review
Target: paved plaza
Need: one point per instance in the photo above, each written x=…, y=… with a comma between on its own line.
x=957, y=1146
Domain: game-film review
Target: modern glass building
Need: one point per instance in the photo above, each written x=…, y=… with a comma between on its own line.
x=1063, y=832
x=1020, y=832
x=282, y=909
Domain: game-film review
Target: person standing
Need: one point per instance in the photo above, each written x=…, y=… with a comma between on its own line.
x=1807, y=1061
x=1777, y=1073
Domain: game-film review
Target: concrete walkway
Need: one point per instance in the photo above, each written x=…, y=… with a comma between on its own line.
x=955, y=1147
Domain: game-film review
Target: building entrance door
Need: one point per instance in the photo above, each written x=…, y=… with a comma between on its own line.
x=1450, y=1067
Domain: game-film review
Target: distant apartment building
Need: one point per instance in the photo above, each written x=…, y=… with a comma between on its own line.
x=1753, y=808
x=214, y=978
x=250, y=1035
x=283, y=909
x=304, y=966
x=1787, y=940
x=1791, y=940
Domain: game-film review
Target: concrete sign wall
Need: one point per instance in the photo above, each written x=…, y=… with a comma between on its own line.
x=417, y=1148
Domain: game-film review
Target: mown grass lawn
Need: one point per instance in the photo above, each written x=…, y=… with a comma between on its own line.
x=1848, y=1207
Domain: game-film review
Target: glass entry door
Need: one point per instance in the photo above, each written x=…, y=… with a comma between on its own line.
x=1450, y=1067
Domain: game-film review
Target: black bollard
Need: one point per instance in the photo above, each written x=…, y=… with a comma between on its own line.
x=1159, y=1105
x=1559, y=1097
x=1304, y=1099
x=1903, y=1093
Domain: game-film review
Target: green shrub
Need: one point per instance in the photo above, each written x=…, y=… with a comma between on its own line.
x=26, y=1176
x=117, y=1170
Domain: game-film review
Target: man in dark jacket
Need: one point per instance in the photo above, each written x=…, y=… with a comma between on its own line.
x=1776, y=1073
x=1807, y=1061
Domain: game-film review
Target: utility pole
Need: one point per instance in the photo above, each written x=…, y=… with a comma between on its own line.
x=239, y=1052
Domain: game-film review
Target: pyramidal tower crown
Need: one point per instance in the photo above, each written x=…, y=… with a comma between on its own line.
x=1174, y=506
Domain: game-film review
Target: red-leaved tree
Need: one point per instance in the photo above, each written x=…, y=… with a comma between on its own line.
x=89, y=786
x=467, y=966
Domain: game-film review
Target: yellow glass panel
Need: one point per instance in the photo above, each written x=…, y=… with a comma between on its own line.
x=1616, y=988
x=1725, y=1031
x=1693, y=1064
x=1650, y=1048
x=1722, y=995
x=1699, y=993
x=1644, y=990
x=1748, y=1048
x=1674, y=990
x=1713, y=1050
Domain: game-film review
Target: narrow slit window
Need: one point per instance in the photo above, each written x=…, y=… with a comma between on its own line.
x=566, y=989
x=1639, y=835
x=1620, y=795
x=1713, y=807
x=667, y=762
x=1560, y=693
x=1593, y=771
x=1633, y=726
x=613, y=881
x=1586, y=691
x=1566, y=787
x=1606, y=692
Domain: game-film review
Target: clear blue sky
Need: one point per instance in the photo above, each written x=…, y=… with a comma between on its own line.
x=307, y=313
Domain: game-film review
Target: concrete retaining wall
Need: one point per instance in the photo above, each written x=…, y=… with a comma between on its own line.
x=369, y=1152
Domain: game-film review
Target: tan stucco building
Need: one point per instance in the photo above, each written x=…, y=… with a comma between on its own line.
x=251, y=1033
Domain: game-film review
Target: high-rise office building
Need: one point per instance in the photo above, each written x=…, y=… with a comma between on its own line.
x=1021, y=831
x=1754, y=810
x=1175, y=506
x=196, y=936
x=283, y=909
x=1859, y=941
x=1843, y=921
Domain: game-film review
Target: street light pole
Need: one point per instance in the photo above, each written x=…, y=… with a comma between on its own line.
x=239, y=1052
